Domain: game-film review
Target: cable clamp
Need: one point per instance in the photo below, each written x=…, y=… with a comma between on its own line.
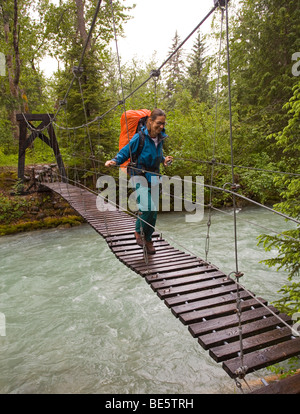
x=238, y=275
x=155, y=73
x=241, y=371
x=233, y=186
x=77, y=70
x=221, y=3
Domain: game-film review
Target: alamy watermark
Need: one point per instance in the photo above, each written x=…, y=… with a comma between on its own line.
x=296, y=66
x=146, y=196
x=2, y=64
x=2, y=324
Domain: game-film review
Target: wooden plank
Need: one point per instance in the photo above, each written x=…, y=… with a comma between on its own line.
x=217, y=311
x=204, y=303
x=192, y=287
x=289, y=385
x=125, y=243
x=201, y=328
x=105, y=233
x=98, y=216
x=198, y=269
x=131, y=235
x=252, y=343
x=251, y=328
x=116, y=229
x=193, y=296
x=136, y=263
x=109, y=223
x=164, y=262
x=133, y=246
x=163, y=284
x=139, y=252
x=159, y=257
x=35, y=117
x=264, y=357
x=168, y=266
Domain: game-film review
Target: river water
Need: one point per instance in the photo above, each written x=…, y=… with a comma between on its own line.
x=79, y=321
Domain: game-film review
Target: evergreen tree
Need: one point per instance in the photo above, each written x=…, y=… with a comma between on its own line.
x=89, y=95
x=197, y=81
x=175, y=70
x=21, y=41
x=288, y=249
x=264, y=38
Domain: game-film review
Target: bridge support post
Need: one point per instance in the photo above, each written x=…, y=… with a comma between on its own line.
x=37, y=132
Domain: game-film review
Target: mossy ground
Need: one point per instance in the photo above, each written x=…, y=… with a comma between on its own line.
x=36, y=210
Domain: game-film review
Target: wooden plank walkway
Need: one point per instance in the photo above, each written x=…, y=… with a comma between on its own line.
x=198, y=293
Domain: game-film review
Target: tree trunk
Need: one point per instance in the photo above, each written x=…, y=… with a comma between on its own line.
x=13, y=64
x=81, y=23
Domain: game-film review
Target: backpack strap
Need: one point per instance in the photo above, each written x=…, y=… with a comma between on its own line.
x=136, y=155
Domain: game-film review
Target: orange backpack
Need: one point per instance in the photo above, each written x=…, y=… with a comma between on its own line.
x=130, y=125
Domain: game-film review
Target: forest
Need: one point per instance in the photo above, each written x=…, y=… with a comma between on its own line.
x=192, y=88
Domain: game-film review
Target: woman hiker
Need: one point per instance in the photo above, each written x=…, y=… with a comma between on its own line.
x=147, y=165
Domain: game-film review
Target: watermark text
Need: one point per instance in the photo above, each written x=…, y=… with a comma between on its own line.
x=137, y=193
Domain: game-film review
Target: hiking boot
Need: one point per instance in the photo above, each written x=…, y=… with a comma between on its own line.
x=150, y=248
x=138, y=238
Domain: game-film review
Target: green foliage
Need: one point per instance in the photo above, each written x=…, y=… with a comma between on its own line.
x=12, y=208
x=288, y=251
x=288, y=247
x=49, y=222
x=263, y=41
x=184, y=90
x=10, y=159
x=198, y=71
x=285, y=369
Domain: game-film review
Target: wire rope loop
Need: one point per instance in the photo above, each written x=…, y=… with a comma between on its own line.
x=155, y=73
x=221, y=3
x=77, y=71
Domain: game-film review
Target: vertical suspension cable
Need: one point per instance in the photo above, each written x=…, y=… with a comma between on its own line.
x=214, y=141
x=241, y=371
x=87, y=127
x=120, y=76
x=231, y=140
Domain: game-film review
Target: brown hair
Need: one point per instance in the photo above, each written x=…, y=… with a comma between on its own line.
x=156, y=112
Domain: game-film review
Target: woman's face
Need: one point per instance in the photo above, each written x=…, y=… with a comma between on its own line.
x=157, y=125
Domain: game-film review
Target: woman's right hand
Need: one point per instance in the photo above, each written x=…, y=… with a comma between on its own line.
x=110, y=163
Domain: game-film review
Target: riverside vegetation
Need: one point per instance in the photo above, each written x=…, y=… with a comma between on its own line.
x=38, y=210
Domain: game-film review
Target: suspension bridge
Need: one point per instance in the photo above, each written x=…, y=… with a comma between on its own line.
x=239, y=330
x=198, y=293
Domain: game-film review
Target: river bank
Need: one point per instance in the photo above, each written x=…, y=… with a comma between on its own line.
x=32, y=211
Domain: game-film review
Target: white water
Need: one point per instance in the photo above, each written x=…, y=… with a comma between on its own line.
x=79, y=321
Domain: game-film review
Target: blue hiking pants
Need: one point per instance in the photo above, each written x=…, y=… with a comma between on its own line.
x=147, y=201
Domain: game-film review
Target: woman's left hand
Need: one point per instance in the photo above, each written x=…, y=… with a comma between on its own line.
x=168, y=161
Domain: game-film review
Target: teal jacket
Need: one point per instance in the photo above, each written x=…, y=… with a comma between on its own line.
x=150, y=157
